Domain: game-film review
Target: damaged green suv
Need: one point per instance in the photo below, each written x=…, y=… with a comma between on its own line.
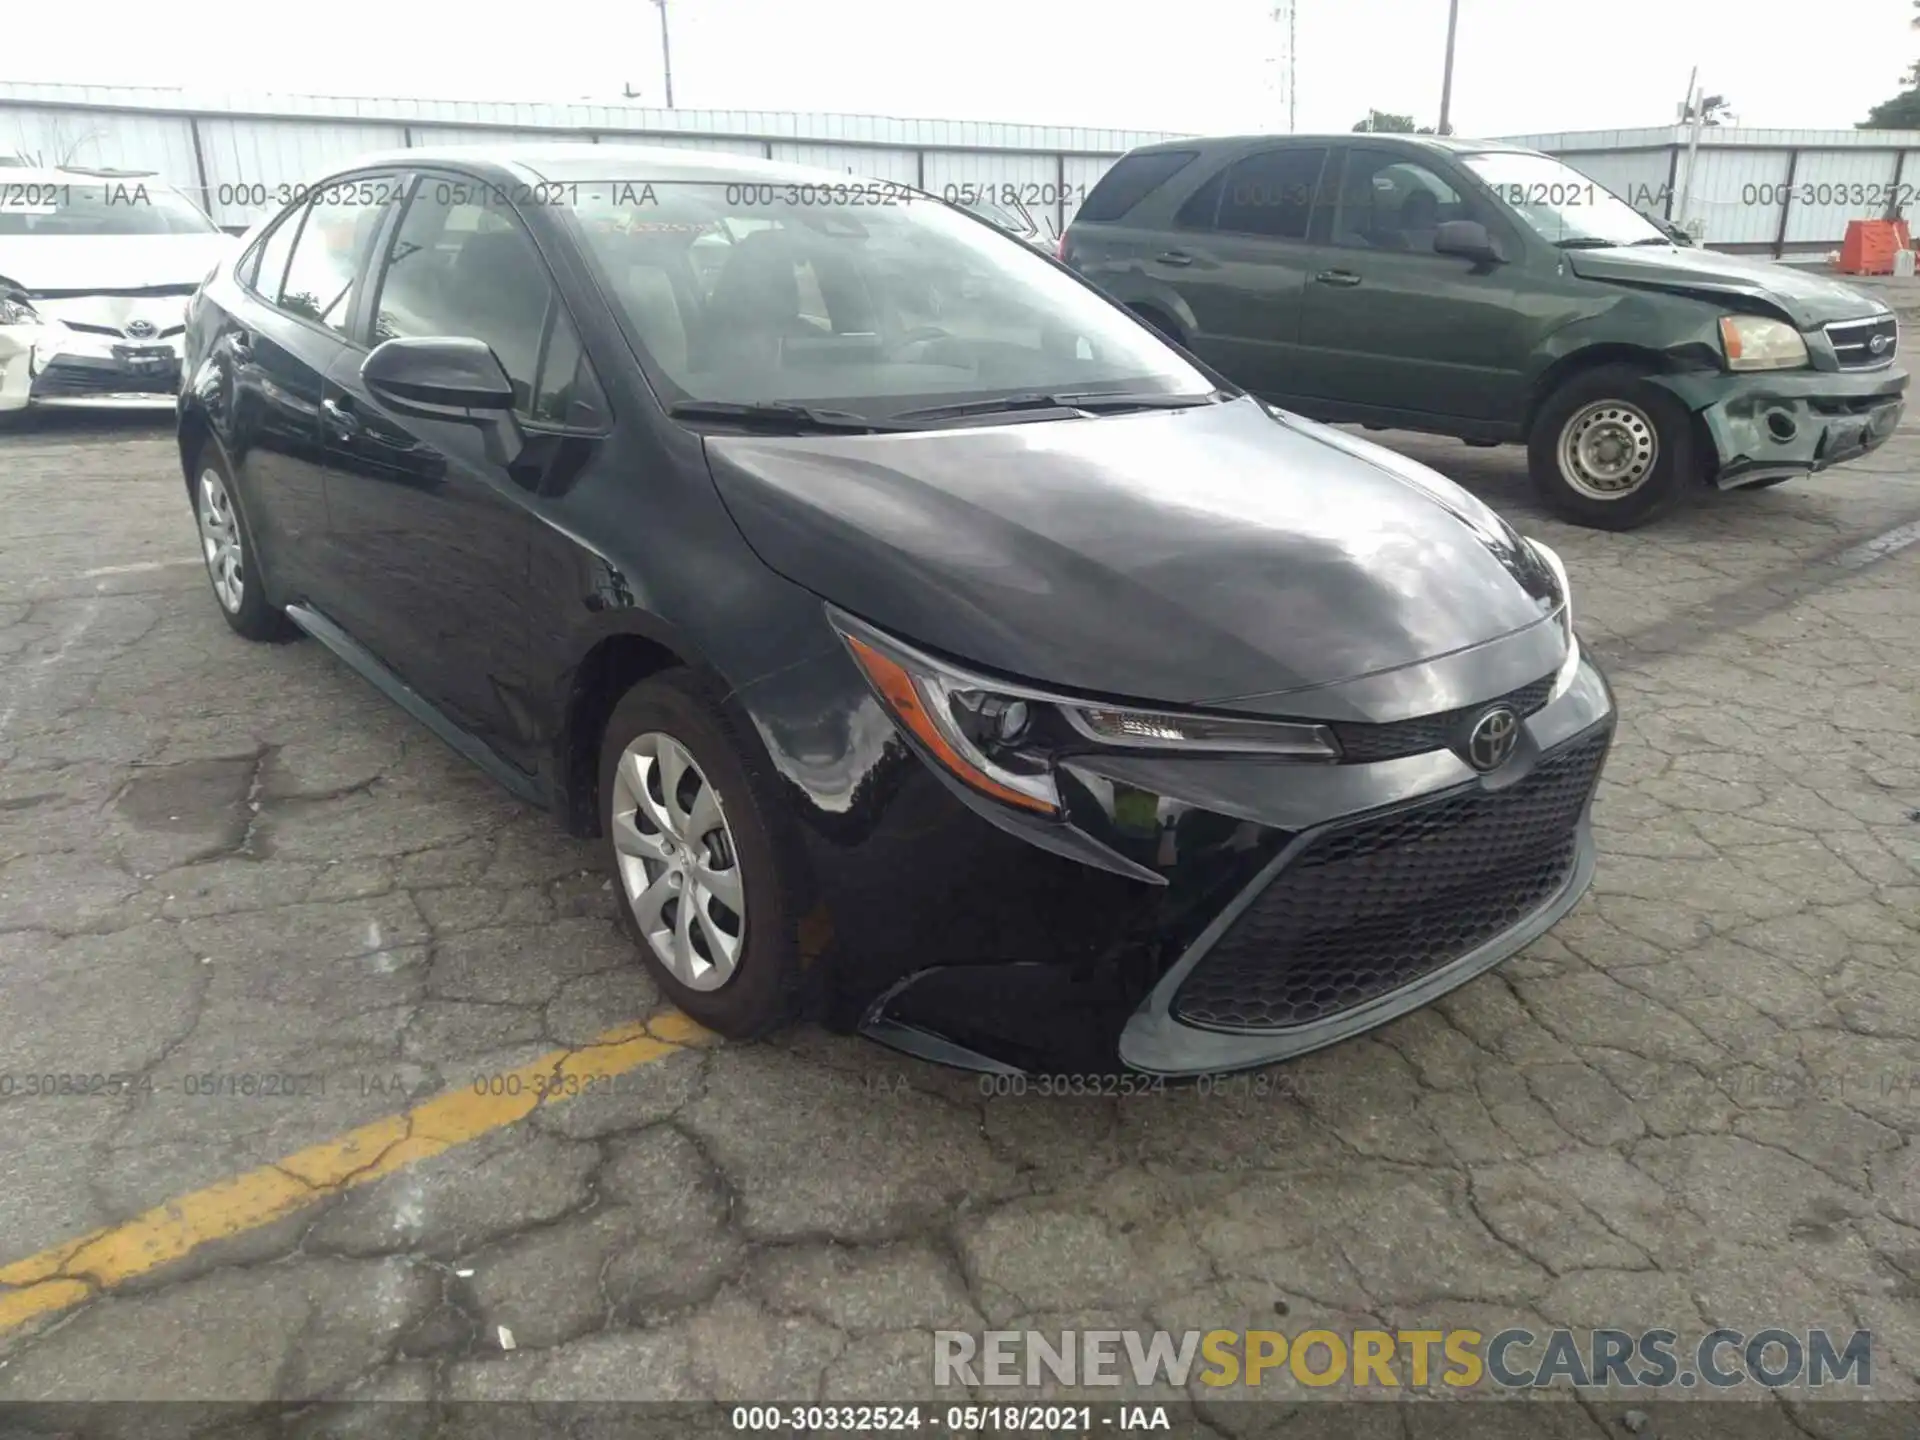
x=1478, y=290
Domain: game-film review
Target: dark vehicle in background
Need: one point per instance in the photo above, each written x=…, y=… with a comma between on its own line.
x=1001, y=685
x=1479, y=290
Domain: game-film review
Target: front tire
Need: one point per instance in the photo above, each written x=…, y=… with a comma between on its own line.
x=231, y=554
x=691, y=828
x=1612, y=451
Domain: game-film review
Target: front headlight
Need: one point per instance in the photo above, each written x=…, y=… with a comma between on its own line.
x=1563, y=589
x=1753, y=342
x=14, y=310
x=1002, y=739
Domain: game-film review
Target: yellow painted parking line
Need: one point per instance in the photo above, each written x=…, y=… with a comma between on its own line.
x=75, y=1270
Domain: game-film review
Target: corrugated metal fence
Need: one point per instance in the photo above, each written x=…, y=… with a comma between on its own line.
x=233, y=152
x=1772, y=192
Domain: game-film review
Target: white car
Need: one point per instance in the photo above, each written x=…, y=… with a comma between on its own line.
x=95, y=271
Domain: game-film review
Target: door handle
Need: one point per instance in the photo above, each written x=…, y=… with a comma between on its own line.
x=344, y=421
x=1174, y=257
x=1342, y=278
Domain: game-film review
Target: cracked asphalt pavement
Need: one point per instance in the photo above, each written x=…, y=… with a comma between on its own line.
x=1694, y=1103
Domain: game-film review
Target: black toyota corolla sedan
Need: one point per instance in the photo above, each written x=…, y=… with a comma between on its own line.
x=936, y=651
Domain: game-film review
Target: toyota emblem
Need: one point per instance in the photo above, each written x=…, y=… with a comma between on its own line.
x=1491, y=742
x=140, y=329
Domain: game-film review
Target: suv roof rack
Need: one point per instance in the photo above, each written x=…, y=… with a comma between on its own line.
x=103, y=172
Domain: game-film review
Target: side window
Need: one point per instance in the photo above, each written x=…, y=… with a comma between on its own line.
x=462, y=264
x=336, y=232
x=268, y=267
x=1130, y=180
x=566, y=392
x=1271, y=194
x=1197, y=211
x=1391, y=202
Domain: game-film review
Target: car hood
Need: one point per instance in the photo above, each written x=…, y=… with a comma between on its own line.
x=1808, y=299
x=68, y=265
x=1197, y=556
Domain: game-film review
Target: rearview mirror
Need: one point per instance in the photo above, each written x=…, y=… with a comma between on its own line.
x=1469, y=240
x=447, y=377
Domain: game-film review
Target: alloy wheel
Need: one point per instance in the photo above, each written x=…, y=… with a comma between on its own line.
x=678, y=863
x=220, y=542
x=1608, y=449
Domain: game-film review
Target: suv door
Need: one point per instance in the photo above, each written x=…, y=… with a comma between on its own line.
x=300, y=277
x=1389, y=324
x=433, y=530
x=1237, y=255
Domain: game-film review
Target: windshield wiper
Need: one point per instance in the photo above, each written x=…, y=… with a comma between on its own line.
x=780, y=414
x=1585, y=242
x=1659, y=240
x=1093, y=402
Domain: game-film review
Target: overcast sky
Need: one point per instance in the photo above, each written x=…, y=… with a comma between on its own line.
x=1522, y=66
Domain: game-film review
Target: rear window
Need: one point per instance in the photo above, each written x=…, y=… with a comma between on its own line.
x=1131, y=180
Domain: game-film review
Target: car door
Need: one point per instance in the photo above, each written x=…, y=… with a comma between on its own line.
x=432, y=529
x=279, y=346
x=1238, y=255
x=1391, y=325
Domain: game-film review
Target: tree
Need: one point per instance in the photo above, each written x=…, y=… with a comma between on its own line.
x=1380, y=122
x=1712, y=110
x=1902, y=112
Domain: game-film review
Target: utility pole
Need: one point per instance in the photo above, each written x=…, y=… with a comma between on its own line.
x=1691, y=111
x=1291, y=52
x=666, y=53
x=1446, y=83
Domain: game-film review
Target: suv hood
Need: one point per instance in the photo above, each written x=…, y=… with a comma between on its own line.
x=1192, y=557
x=54, y=265
x=1808, y=300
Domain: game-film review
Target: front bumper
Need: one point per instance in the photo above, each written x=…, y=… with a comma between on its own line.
x=53, y=368
x=1775, y=426
x=1197, y=915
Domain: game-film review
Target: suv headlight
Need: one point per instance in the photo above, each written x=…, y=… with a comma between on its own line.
x=1753, y=342
x=1569, y=667
x=14, y=310
x=1002, y=739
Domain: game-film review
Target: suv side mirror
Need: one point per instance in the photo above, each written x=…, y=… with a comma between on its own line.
x=1469, y=240
x=451, y=378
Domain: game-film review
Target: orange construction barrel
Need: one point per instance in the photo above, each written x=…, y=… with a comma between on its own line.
x=1870, y=246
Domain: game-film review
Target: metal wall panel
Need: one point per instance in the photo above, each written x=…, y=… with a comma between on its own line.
x=1831, y=188
x=119, y=142
x=1734, y=194
x=1029, y=182
x=1638, y=177
x=255, y=166
x=755, y=148
x=902, y=167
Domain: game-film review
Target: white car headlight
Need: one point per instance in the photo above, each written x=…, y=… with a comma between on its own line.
x=14, y=310
x=1753, y=342
x=1569, y=667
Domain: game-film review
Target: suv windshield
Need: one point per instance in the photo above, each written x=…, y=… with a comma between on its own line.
x=1559, y=203
x=135, y=206
x=858, y=297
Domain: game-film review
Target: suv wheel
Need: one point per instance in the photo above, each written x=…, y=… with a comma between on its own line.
x=232, y=557
x=1611, y=451
x=689, y=827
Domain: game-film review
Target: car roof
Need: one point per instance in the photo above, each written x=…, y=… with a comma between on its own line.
x=1451, y=144
x=563, y=161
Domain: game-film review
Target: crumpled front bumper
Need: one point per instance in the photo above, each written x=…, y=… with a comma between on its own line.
x=1776, y=426
x=53, y=367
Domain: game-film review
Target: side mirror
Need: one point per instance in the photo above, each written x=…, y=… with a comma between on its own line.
x=451, y=378
x=1469, y=240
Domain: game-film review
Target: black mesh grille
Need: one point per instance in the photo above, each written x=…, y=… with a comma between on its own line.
x=1364, y=744
x=1377, y=904
x=66, y=378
